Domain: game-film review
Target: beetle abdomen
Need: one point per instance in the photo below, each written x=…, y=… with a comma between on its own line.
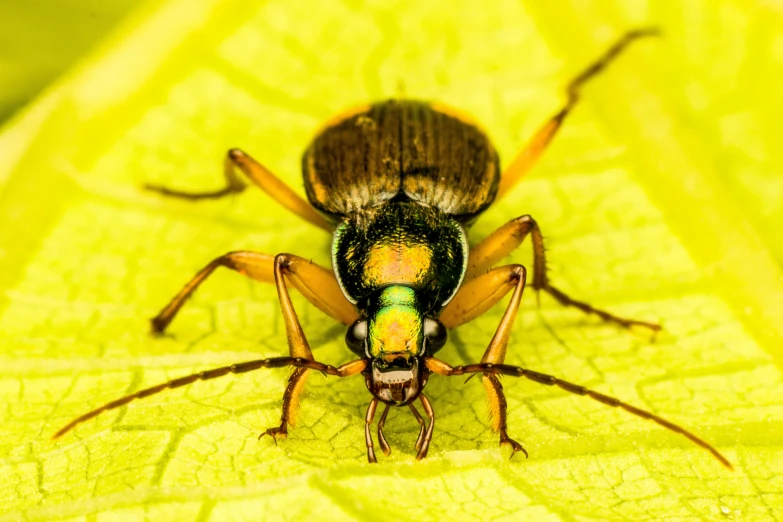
x=402, y=150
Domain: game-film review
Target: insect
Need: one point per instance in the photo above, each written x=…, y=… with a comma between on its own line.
x=398, y=183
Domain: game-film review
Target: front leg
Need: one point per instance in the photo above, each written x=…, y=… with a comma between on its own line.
x=290, y=405
x=498, y=408
x=473, y=299
x=297, y=347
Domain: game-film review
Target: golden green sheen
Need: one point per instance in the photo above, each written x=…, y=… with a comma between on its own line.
x=645, y=196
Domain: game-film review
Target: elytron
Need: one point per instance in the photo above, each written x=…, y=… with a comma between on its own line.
x=398, y=183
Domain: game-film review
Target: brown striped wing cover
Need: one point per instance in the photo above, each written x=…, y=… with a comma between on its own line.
x=401, y=150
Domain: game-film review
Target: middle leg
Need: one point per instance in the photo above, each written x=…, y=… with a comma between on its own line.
x=317, y=284
x=508, y=238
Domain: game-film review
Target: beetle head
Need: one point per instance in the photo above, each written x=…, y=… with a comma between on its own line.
x=395, y=334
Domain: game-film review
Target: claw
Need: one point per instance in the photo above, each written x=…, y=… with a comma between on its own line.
x=515, y=446
x=279, y=431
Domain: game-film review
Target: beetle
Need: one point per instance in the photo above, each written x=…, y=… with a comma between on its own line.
x=398, y=183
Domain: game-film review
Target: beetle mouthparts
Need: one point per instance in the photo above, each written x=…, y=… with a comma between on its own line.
x=397, y=382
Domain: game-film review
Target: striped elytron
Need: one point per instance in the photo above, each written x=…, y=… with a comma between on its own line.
x=398, y=183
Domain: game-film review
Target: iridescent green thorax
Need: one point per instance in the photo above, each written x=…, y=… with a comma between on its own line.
x=395, y=323
x=400, y=243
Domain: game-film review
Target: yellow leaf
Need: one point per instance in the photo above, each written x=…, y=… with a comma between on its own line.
x=636, y=198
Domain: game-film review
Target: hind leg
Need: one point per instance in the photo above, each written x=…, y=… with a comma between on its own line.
x=261, y=177
x=533, y=150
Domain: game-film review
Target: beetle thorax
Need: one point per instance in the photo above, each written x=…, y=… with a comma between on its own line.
x=400, y=243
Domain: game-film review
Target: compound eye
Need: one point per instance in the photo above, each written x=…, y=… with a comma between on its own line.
x=435, y=333
x=356, y=336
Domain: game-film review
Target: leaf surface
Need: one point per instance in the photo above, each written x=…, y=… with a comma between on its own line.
x=637, y=199
x=40, y=39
